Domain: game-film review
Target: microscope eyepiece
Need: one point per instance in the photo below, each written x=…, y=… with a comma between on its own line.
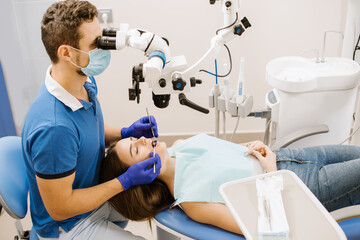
x=106, y=43
x=110, y=32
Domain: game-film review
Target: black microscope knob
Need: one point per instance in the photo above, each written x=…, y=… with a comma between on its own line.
x=238, y=29
x=162, y=83
x=178, y=84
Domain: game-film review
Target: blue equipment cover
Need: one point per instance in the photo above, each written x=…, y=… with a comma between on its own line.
x=7, y=127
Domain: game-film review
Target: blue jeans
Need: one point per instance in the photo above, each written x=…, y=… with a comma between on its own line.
x=331, y=172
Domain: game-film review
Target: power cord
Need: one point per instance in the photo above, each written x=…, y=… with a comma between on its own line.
x=350, y=136
x=237, y=17
x=237, y=123
x=216, y=75
x=258, y=114
x=357, y=47
x=217, y=31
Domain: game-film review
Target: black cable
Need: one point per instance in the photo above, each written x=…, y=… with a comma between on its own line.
x=217, y=31
x=357, y=47
x=216, y=75
x=150, y=43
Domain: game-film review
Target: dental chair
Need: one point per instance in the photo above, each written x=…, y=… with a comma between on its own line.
x=174, y=224
x=13, y=184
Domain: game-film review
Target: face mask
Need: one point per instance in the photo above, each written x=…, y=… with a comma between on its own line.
x=99, y=61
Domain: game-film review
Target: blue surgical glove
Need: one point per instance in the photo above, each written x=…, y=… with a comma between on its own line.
x=141, y=172
x=141, y=128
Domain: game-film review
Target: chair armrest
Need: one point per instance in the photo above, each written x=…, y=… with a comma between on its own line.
x=297, y=135
x=346, y=213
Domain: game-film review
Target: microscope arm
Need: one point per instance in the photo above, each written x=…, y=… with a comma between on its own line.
x=216, y=44
x=164, y=74
x=142, y=40
x=231, y=29
x=155, y=47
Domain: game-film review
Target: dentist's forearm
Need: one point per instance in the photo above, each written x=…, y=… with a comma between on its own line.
x=63, y=202
x=111, y=134
x=87, y=199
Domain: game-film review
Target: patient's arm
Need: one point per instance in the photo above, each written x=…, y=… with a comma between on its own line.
x=267, y=160
x=257, y=146
x=216, y=214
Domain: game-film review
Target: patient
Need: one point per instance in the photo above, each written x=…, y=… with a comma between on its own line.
x=193, y=169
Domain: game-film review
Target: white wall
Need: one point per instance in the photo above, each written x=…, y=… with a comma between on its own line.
x=279, y=28
x=352, y=28
x=22, y=53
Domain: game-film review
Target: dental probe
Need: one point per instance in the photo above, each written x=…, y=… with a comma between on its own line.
x=154, y=141
x=154, y=156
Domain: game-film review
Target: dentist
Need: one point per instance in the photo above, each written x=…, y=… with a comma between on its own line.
x=64, y=134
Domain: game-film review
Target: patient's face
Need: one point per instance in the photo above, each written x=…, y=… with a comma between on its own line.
x=133, y=150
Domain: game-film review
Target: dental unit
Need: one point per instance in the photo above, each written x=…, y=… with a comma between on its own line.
x=324, y=92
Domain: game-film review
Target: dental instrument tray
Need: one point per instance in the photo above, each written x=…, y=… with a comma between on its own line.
x=307, y=217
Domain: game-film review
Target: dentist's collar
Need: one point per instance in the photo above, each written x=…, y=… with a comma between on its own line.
x=60, y=93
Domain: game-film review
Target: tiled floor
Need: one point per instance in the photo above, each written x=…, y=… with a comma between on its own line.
x=8, y=230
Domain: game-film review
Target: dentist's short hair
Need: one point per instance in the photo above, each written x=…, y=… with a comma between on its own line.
x=60, y=24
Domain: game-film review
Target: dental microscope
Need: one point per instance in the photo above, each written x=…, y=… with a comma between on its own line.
x=166, y=74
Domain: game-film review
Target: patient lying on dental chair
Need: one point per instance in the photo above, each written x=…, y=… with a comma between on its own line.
x=193, y=169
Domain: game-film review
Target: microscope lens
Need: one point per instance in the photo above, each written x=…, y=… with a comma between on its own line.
x=106, y=43
x=110, y=32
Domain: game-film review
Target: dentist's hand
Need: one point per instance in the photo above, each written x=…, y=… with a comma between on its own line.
x=141, y=172
x=141, y=127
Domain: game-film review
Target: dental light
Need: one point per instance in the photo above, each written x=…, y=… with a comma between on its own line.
x=163, y=73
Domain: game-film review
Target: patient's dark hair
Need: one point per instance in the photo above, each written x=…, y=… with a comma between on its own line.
x=138, y=203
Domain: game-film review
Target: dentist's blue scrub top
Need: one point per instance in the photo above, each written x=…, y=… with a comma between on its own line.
x=61, y=136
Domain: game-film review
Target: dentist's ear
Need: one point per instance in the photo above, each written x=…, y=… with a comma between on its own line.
x=64, y=52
